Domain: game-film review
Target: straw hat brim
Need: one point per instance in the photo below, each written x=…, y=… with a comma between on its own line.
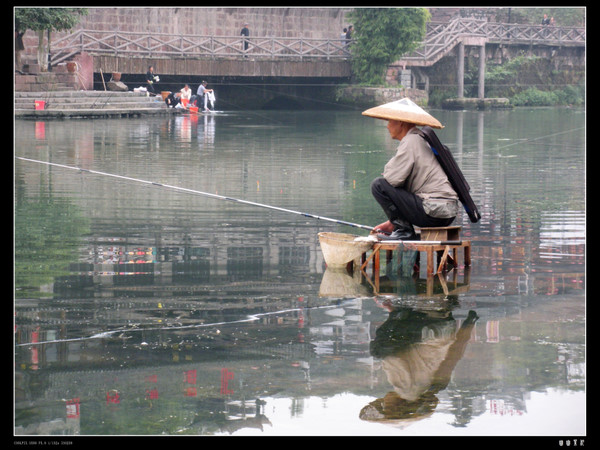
x=405, y=111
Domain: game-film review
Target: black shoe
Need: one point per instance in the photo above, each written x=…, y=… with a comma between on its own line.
x=403, y=231
x=399, y=235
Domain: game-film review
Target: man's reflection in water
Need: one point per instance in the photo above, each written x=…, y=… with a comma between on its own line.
x=419, y=350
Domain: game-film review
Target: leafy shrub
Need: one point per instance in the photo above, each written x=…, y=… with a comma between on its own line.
x=534, y=97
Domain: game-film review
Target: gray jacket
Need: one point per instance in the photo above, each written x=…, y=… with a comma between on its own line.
x=415, y=168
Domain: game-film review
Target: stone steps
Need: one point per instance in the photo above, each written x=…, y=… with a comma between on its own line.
x=86, y=100
x=69, y=103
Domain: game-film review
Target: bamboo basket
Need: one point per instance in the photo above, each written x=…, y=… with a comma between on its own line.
x=339, y=248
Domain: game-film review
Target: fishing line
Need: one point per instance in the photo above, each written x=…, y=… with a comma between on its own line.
x=527, y=140
x=195, y=192
x=107, y=334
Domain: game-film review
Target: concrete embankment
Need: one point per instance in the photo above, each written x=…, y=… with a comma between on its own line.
x=366, y=97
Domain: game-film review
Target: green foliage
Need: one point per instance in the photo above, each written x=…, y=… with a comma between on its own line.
x=571, y=95
x=47, y=19
x=509, y=71
x=534, y=97
x=381, y=36
x=520, y=80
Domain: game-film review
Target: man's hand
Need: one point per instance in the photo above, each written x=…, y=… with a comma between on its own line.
x=385, y=227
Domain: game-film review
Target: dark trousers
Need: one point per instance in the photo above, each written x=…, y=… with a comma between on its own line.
x=398, y=203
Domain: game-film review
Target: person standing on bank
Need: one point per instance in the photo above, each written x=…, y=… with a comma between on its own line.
x=246, y=33
x=414, y=189
x=202, y=98
x=151, y=78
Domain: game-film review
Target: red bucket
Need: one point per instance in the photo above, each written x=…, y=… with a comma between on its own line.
x=40, y=104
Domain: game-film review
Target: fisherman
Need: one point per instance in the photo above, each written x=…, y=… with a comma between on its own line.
x=414, y=189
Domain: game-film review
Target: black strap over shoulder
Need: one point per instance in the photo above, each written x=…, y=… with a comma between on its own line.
x=455, y=175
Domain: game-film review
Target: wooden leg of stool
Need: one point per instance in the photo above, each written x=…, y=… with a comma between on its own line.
x=468, y=254
x=442, y=265
x=430, y=261
x=376, y=262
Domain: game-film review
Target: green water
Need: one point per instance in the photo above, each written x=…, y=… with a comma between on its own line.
x=146, y=311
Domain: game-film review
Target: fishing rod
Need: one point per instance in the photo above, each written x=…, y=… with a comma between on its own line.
x=237, y=200
x=195, y=192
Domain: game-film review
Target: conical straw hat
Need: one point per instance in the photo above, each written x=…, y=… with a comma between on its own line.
x=403, y=110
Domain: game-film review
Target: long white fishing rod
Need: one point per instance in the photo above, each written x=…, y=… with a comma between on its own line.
x=237, y=200
x=192, y=191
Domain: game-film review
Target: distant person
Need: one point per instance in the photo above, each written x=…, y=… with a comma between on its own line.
x=202, y=95
x=151, y=78
x=349, y=34
x=186, y=95
x=246, y=33
x=545, y=20
x=343, y=35
x=186, y=92
x=173, y=99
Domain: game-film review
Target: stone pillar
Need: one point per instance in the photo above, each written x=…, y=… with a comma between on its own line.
x=460, y=70
x=405, y=78
x=481, y=85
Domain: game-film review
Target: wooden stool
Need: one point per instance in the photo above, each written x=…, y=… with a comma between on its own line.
x=440, y=233
x=451, y=233
x=427, y=234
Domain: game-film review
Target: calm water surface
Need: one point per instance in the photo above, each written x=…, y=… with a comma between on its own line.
x=145, y=311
